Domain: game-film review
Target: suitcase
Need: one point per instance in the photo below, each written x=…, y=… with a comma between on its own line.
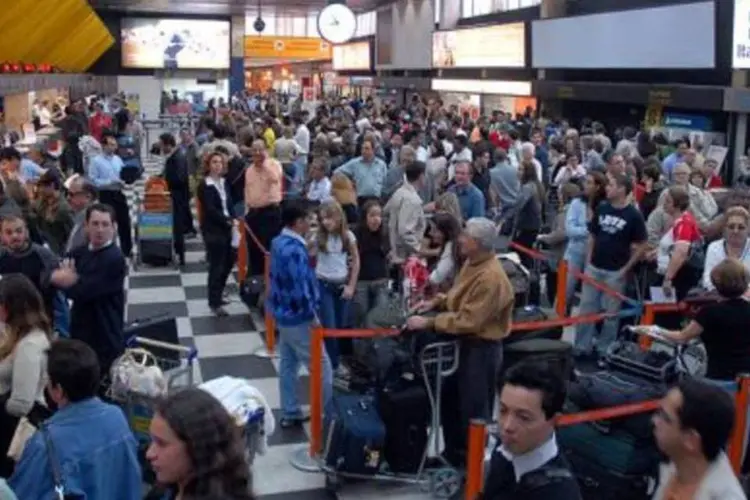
x=405, y=411
x=534, y=313
x=156, y=253
x=557, y=352
x=356, y=435
x=161, y=327
x=624, y=356
x=604, y=389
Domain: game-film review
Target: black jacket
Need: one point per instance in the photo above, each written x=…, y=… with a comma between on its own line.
x=215, y=225
x=552, y=481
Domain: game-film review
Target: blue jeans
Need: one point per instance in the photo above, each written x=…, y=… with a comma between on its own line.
x=61, y=321
x=594, y=301
x=294, y=349
x=334, y=313
x=576, y=262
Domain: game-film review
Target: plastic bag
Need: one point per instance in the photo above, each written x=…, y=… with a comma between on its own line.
x=136, y=371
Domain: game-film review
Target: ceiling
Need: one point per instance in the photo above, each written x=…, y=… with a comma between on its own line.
x=223, y=7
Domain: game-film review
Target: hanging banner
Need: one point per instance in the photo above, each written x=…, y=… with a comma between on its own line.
x=291, y=48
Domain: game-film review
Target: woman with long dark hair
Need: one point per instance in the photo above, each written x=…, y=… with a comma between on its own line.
x=197, y=450
x=373, y=244
x=443, y=233
x=23, y=349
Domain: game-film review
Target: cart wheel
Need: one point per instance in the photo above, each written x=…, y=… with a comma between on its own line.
x=333, y=483
x=445, y=483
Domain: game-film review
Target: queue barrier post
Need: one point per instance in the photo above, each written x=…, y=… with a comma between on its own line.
x=561, y=303
x=269, y=349
x=306, y=457
x=242, y=255
x=737, y=440
x=475, y=462
x=647, y=320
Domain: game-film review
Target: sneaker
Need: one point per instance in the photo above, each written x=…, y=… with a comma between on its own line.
x=290, y=422
x=219, y=311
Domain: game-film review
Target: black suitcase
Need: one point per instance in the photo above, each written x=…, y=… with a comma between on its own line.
x=405, y=411
x=356, y=435
x=157, y=253
x=528, y=314
x=161, y=327
x=557, y=352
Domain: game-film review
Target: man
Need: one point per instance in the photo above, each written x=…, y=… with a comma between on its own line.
x=20, y=255
x=99, y=122
x=470, y=198
x=94, y=446
x=13, y=166
x=394, y=178
x=692, y=427
x=367, y=171
x=263, y=194
x=478, y=310
x=528, y=464
x=460, y=153
x=293, y=300
x=104, y=172
x=81, y=193
x=190, y=149
x=504, y=185
x=674, y=159
x=176, y=175
x=617, y=241
x=94, y=277
x=286, y=153
x=405, y=214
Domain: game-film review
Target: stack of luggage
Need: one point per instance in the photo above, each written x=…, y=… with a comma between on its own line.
x=617, y=459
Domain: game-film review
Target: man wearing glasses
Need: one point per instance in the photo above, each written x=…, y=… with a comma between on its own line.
x=81, y=194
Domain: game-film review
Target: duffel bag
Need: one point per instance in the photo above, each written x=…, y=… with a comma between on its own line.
x=603, y=389
x=405, y=410
x=356, y=435
x=628, y=357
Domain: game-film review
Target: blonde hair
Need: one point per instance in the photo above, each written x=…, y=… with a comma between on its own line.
x=738, y=211
x=332, y=209
x=448, y=202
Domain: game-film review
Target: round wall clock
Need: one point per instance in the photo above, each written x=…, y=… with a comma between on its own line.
x=337, y=23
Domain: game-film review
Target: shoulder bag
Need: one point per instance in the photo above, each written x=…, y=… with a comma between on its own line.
x=54, y=466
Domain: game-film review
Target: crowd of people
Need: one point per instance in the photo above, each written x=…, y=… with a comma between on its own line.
x=345, y=199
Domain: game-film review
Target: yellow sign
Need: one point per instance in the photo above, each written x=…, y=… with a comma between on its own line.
x=291, y=48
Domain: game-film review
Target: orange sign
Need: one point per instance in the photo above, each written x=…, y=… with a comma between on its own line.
x=291, y=48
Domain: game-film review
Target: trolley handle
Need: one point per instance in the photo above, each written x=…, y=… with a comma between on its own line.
x=191, y=352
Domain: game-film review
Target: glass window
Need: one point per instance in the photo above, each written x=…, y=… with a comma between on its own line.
x=473, y=8
x=467, y=7
x=438, y=5
x=312, y=24
x=366, y=24
x=299, y=26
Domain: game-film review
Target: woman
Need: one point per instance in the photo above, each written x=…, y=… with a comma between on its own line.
x=216, y=224
x=448, y=202
x=443, y=233
x=372, y=242
x=571, y=172
x=52, y=213
x=652, y=188
x=677, y=246
x=22, y=359
x=722, y=326
x=437, y=164
x=577, y=219
x=197, y=450
x=702, y=204
x=734, y=245
x=526, y=216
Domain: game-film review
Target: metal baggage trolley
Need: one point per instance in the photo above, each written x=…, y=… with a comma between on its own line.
x=437, y=361
x=154, y=221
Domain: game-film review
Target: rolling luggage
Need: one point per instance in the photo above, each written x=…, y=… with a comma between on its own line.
x=356, y=435
x=405, y=410
x=157, y=253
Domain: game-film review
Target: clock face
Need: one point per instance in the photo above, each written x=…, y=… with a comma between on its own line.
x=337, y=23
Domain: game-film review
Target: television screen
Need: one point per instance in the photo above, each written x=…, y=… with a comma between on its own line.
x=174, y=43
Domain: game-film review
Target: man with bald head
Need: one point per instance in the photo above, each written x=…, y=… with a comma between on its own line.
x=263, y=194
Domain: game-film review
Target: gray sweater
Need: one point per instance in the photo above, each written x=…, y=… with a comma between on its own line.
x=23, y=373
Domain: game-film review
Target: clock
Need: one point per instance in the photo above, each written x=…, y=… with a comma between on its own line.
x=337, y=23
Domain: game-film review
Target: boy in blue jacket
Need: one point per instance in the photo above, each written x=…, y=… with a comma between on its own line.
x=293, y=300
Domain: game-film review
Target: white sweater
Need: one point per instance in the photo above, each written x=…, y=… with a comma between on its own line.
x=23, y=373
x=715, y=254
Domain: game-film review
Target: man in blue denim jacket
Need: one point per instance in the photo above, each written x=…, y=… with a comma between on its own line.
x=93, y=445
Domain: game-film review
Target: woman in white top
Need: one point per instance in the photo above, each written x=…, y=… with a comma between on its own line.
x=23, y=359
x=735, y=243
x=443, y=233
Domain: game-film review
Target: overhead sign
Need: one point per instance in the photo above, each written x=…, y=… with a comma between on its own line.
x=741, y=35
x=501, y=46
x=289, y=48
x=356, y=56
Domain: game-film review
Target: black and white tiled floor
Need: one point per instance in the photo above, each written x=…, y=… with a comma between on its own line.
x=225, y=347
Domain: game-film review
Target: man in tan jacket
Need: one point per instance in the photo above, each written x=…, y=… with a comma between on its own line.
x=478, y=310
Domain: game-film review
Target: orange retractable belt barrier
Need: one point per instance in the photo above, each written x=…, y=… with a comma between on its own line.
x=270, y=323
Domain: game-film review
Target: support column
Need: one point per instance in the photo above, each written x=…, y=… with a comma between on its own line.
x=237, y=60
x=551, y=9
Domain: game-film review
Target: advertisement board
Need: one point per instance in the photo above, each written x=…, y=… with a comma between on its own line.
x=356, y=56
x=174, y=43
x=288, y=48
x=501, y=46
x=741, y=35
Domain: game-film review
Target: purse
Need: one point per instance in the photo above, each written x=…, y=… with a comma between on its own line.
x=24, y=431
x=54, y=466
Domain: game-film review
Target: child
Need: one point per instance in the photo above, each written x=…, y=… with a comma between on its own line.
x=337, y=270
x=373, y=244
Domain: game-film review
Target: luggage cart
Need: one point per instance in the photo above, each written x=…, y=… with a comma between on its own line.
x=436, y=361
x=154, y=225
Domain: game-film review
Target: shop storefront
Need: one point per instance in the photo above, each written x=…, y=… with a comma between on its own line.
x=477, y=97
x=283, y=63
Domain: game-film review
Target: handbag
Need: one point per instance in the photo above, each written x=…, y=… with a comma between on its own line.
x=24, y=431
x=54, y=466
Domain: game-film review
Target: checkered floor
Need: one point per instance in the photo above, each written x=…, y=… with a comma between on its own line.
x=225, y=346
